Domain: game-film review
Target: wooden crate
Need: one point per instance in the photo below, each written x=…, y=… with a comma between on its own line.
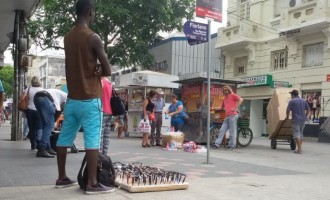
x=150, y=188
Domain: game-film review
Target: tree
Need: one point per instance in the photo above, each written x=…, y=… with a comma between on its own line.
x=7, y=79
x=128, y=28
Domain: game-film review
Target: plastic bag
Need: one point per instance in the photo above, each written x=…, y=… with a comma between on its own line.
x=190, y=147
x=144, y=126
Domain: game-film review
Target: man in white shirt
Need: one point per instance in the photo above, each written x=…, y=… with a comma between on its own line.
x=47, y=103
x=159, y=103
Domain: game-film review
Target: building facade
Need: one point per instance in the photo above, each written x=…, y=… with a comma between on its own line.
x=276, y=43
x=49, y=69
x=176, y=57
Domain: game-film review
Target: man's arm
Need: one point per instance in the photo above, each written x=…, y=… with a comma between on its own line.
x=239, y=102
x=97, y=46
x=288, y=109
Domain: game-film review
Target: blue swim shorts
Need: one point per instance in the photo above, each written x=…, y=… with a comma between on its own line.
x=82, y=113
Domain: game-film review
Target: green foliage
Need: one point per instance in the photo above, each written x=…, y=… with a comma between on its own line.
x=7, y=79
x=127, y=28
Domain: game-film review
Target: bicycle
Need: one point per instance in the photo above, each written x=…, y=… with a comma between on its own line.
x=244, y=133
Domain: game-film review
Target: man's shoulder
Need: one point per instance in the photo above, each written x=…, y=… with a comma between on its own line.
x=233, y=95
x=298, y=99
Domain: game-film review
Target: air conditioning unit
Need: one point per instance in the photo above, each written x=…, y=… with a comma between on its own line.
x=295, y=3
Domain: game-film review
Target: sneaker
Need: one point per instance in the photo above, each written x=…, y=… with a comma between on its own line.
x=51, y=151
x=158, y=145
x=65, y=183
x=42, y=153
x=214, y=146
x=230, y=148
x=98, y=189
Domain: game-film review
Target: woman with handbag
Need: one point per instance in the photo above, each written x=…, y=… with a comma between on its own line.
x=176, y=112
x=32, y=116
x=148, y=114
x=107, y=115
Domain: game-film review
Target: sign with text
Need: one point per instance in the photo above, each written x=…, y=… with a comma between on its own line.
x=196, y=32
x=278, y=84
x=191, y=97
x=263, y=80
x=209, y=9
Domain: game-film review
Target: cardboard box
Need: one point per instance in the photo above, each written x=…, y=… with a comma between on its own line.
x=178, y=138
x=276, y=113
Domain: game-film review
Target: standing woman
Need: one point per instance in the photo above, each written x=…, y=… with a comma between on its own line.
x=107, y=115
x=148, y=113
x=32, y=116
x=176, y=112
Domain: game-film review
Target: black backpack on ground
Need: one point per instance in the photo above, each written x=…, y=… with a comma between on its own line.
x=105, y=172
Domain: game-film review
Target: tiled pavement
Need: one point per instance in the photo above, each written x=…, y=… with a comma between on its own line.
x=256, y=172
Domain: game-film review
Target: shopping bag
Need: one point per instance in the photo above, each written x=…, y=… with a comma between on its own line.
x=23, y=103
x=117, y=104
x=144, y=126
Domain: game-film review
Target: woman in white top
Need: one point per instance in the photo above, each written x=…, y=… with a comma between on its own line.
x=34, y=121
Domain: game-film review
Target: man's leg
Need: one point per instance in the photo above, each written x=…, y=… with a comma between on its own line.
x=91, y=158
x=222, y=132
x=46, y=110
x=159, y=123
x=61, y=162
x=296, y=129
x=65, y=140
x=232, y=131
x=300, y=139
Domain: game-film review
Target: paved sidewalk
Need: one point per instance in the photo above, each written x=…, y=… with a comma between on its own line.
x=255, y=172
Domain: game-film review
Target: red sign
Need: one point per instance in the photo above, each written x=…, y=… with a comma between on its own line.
x=210, y=9
x=328, y=77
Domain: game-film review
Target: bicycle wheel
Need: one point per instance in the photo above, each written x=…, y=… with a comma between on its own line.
x=214, y=132
x=244, y=137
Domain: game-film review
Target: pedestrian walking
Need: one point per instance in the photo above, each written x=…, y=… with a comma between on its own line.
x=82, y=49
x=107, y=115
x=159, y=103
x=47, y=102
x=25, y=127
x=33, y=118
x=300, y=113
x=230, y=104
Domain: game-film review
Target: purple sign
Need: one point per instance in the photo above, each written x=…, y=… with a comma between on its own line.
x=196, y=32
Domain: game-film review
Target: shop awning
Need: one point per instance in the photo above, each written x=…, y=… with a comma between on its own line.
x=148, y=78
x=213, y=80
x=251, y=93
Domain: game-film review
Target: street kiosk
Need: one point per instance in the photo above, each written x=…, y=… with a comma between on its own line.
x=138, y=84
x=194, y=100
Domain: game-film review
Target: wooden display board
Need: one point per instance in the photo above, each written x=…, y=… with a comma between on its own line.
x=150, y=188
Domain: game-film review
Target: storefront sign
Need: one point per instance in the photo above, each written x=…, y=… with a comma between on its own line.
x=265, y=80
x=209, y=9
x=140, y=79
x=278, y=84
x=191, y=97
x=216, y=95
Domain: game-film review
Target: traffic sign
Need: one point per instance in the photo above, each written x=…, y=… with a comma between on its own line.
x=196, y=32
